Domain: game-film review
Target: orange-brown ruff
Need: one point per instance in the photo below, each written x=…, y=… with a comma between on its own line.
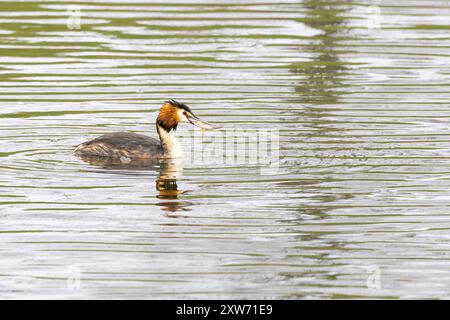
x=168, y=117
x=122, y=145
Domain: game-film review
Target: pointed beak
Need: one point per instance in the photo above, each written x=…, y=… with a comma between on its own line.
x=196, y=121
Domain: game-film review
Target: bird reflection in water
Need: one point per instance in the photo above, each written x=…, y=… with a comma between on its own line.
x=166, y=182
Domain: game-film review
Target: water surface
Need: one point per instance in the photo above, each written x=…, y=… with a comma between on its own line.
x=358, y=91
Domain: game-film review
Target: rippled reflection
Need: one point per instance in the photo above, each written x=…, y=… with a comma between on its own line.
x=169, y=171
x=324, y=73
x=166, y=184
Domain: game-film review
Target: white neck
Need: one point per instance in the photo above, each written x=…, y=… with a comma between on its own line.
x=172, y=148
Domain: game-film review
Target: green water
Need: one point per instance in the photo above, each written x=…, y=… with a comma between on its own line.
x=358, y=208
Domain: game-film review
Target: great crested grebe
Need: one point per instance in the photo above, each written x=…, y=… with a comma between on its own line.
x=128, y=145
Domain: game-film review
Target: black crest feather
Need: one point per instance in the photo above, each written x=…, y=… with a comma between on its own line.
x=179, y=105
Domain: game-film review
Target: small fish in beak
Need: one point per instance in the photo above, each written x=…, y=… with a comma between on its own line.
x=196, y=121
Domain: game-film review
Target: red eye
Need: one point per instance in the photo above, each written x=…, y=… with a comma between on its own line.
x=185, y=113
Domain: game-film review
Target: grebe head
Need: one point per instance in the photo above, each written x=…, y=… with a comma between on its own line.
x=173, y=112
